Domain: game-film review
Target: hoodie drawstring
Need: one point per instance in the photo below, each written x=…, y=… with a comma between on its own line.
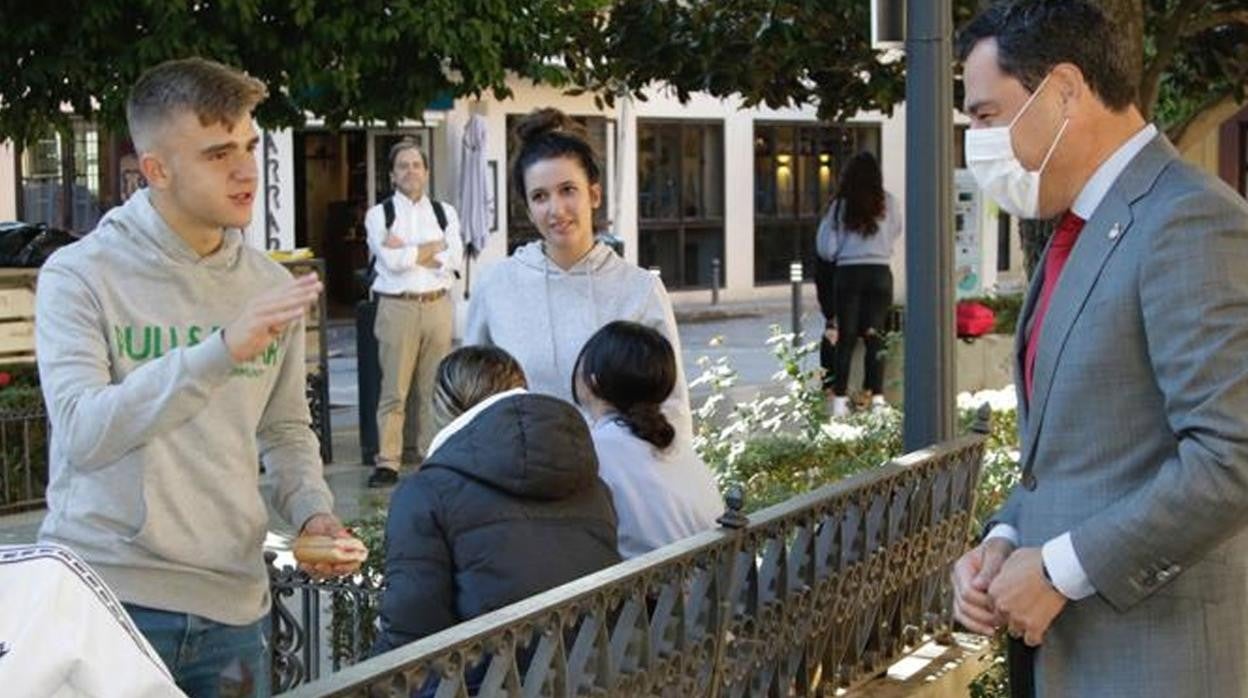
x=550, y=313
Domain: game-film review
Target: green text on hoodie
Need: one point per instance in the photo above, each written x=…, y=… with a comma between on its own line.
x=156, y=432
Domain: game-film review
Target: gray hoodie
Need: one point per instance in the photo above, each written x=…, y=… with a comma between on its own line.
x=154, y=460
x=543, y=315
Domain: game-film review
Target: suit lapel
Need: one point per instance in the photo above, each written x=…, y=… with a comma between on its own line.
x=1101, y=235
x=1083, y=268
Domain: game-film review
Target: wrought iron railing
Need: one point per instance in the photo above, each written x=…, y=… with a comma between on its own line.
x=23, y=458
x=820, y=592
x=24, y=447
x=313, y=622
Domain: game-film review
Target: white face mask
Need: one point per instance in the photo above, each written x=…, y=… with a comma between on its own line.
x=990, y=157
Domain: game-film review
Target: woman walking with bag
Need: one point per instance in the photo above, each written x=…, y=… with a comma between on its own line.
x=858, y=234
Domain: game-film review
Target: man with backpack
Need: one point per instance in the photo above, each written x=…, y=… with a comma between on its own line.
x=416, y=246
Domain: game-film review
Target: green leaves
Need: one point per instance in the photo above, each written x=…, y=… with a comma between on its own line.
x=770, y=52
x=366, y=61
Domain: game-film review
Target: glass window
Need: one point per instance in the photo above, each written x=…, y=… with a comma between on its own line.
x=64, y=179
x=520, y=229
x=680, y=203
x=796, y=167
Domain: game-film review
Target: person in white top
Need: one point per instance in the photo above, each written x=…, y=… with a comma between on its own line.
x=415, y=242
x=64, y=634
x=662, y=490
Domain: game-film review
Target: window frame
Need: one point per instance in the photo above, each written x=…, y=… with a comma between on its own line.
x=682, y=225
x=802, y=223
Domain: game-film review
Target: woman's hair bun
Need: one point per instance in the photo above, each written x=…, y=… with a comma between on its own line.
x=540, y=122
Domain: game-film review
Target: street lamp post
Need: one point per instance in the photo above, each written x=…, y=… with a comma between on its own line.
x=929, y=377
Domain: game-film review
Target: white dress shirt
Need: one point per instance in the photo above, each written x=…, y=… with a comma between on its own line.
x=1059, y=555
x=415, y=224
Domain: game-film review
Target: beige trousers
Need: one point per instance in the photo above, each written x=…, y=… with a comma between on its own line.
x=412, y=337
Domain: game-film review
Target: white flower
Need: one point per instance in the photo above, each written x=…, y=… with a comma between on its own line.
x=836, y=430
x=1003, y=400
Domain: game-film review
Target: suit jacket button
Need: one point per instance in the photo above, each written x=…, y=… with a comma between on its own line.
x=1029, y=481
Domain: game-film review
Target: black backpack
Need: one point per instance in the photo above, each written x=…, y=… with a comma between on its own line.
x=387, y=208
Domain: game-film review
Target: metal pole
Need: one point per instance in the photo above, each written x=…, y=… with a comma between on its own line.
x=929, y=342
x=715, y=272
x=795, y=277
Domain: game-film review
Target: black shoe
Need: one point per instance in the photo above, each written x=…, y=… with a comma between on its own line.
x=383, y=477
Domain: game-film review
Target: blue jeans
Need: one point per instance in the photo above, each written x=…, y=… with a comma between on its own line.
x=208, y=659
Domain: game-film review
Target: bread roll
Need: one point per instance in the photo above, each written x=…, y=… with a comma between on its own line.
x=319, y=550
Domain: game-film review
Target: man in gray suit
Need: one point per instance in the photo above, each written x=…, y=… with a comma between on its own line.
x=1123, y=555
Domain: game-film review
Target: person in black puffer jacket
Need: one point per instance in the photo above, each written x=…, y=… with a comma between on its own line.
x=508, y=504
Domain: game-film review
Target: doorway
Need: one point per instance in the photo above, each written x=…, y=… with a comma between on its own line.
x=338, y=176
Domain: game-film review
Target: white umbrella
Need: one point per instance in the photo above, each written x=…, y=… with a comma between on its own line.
x=624, y=160
x=474, y=194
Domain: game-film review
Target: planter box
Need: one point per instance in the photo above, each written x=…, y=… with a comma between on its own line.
x=986, y=363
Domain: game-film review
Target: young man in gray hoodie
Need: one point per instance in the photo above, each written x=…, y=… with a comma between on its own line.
x=172, y=361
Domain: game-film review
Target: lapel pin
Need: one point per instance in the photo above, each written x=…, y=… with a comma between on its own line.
x=1115, y=231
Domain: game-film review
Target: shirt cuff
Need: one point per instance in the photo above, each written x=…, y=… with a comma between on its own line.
x=1064, y=568
x=1005, y=531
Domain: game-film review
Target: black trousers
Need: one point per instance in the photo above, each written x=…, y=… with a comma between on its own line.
x=1021, y=663
x=825, y=289
x=864, y=293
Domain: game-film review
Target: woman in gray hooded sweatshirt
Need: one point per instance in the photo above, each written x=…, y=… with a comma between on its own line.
x=544, y=302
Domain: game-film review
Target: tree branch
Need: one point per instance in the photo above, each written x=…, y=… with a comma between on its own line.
x=1167, y=43
x=1216, y=19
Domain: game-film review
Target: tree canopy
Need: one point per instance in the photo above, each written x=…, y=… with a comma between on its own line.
x=771, y=52
x=367, y=60
x=385, y=60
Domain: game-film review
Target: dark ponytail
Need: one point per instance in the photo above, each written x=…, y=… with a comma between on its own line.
x=632, y=368
x=647, y=423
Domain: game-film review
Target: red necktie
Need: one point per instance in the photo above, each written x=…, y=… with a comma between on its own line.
x=1059, y=251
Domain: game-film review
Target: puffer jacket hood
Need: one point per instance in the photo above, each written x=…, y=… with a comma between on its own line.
x=528, y=445
x=508, y=504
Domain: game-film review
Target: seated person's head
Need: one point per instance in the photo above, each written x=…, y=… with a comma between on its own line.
x=469, y=375
x=629, y=370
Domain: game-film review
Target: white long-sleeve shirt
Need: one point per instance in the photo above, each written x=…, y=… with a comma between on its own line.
x=415, y=224
x=661, y=496
x=64, y=634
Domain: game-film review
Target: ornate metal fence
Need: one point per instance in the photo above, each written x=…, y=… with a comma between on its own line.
x=313, y=621
x=823, y=591
x=23, y=458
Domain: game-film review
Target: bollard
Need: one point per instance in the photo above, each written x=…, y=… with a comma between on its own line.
x=795, y=276
x=715, y=272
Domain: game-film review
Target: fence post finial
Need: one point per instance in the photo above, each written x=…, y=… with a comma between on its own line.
x=734, y=500
x=983, y=419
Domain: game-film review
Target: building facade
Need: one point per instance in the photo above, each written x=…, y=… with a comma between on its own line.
x=702, y=192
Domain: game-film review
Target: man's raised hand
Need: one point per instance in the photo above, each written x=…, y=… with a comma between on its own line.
x=267, y=315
